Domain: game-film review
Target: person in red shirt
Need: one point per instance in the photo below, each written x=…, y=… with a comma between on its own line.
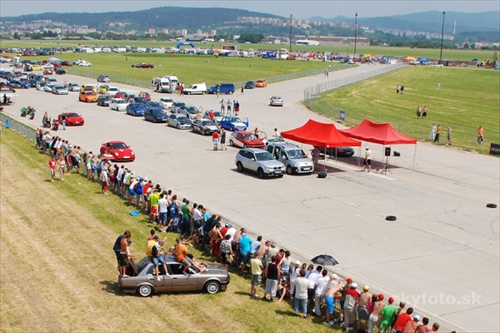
x=412, y=325
x=403, y=318
x=215, y=139
x=52, y=167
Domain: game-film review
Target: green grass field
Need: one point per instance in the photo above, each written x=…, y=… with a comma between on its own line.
x=467, y=99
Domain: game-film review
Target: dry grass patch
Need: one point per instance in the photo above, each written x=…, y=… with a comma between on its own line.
x=59, y=271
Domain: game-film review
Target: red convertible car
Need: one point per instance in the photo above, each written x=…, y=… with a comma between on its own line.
x=118, y=151
x=72, y=119
x=245, y=139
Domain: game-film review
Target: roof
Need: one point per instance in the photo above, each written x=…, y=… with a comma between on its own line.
x=320, y=135
x=378, y=133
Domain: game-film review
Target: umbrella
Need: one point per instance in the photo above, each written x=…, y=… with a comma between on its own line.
x=325, y=260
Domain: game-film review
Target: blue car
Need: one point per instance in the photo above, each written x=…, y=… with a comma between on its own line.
x=18, y=84
x=155, y=115
x=136, y=109
x=154, y=105
x=233, y=123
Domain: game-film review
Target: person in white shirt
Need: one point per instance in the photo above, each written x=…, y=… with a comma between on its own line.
x=320, y=292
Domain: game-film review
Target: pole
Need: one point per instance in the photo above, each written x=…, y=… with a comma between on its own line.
x=355, y=31
x=442, y=37
x=290, y=37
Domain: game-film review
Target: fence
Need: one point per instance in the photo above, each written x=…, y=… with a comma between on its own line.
x=14, y=125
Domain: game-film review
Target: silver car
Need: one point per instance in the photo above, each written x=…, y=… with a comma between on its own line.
x=179, y=121
x=259, y=161
x=142, y=281
x=294, y=158
x=60, y=90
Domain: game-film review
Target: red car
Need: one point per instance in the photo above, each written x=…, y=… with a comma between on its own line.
x=245, y=139
x=146, y=95
x=72, y=119
x=117, y=151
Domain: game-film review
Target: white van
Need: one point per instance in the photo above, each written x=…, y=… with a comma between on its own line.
x=162, y=85
x=196, y=89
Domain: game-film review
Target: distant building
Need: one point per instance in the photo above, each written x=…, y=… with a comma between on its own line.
x=306, y=42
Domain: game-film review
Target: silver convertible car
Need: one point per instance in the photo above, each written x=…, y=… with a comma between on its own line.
x=141, y=279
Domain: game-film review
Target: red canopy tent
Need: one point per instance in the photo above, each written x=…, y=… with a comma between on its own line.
x=383, y=134
x=319, y=135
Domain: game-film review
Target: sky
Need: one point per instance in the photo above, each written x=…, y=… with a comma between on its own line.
x=298, y=8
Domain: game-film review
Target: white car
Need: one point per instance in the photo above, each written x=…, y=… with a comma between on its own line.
x=166, y=103
x=118, y=104
x=60, y=90
x=49, y=87
x=276, y=101
x=73, y=86
x=83, y=63
x=112, y=91
x=179, y=121
x=40, y=85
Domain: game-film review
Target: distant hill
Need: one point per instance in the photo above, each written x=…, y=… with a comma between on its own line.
x=430, y=21
x=158, y=18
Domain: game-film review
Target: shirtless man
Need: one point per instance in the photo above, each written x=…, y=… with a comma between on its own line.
x=332, y=288
x=375, y=315
x=364, y=298
x=215, y=239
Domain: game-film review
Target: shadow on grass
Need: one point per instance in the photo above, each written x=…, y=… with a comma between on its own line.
x=112, y=288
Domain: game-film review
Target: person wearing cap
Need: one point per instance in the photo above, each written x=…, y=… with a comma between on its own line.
x=364, y=298
x=332, y=288
x=402, y=320
x=412, y=325
x=351, y=299
x=378, y=305
x=367, y=163
x=387, y=316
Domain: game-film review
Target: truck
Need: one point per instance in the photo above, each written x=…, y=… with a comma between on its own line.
x=162, y=85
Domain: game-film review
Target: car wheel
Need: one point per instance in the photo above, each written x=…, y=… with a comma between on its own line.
x=212, y=287
x=289, y=170
x=145, y=290
x=239, y=166
x=390, y=218
x=260, y=173
x=231, y=143
x=245, y=146
x=178, y=126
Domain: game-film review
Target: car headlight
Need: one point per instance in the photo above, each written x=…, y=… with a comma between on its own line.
x=132, y=152
x=269, y=169
x=116, y=153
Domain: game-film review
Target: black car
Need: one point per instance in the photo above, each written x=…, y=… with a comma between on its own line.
x=32, y=83
x=103, y=100
x=337, y=151
x=60, y=71
x=141, y=100
x=155, y=115
x=250, y=85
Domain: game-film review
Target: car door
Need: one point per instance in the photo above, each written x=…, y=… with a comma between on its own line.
x=162, y=286
x=181, y=282
x=238, y=142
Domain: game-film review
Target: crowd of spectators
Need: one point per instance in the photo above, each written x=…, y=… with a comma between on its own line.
x=313, y=291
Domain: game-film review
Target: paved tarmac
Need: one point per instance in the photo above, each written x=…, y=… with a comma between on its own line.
x=441, y=255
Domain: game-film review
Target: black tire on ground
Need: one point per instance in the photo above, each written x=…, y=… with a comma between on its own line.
x=239, y=166
x=390, y=218
x=212, y=287
x=145, y=290
x=289, y=170
x=261, y=174
x=231, y=143
x=491, y=205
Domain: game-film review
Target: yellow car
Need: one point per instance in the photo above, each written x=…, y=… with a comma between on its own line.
x=103, y=89
x=88, y=96
x=36, y=67
x=88, y=87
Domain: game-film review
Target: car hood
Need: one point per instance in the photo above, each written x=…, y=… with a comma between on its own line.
x=215, y=269
x=272, y=163
x=302, y=161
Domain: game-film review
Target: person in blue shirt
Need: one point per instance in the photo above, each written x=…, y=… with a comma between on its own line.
x=244, y=253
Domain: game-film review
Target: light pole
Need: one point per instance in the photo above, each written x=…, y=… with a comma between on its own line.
x=442, y=37
x=355, y=31
x=290, y=37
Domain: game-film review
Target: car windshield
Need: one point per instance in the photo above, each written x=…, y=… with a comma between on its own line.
x=296, y=154
x=207, y=123
x=136, y=105
x=191, y=110
x=118, y=145
x=72, y=115
x=248, y=136
x=153, y=104
x=234, y=120
x=158, y=112
x=217, y=114
x=264, y=156
x=90, y=93
x=182, y=118
x=60, y=87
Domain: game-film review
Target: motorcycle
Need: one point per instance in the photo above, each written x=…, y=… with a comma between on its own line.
x=55, y=125
x=24, y=111
x=31, y=112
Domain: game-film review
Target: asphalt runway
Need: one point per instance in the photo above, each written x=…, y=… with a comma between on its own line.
x=441, y=255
